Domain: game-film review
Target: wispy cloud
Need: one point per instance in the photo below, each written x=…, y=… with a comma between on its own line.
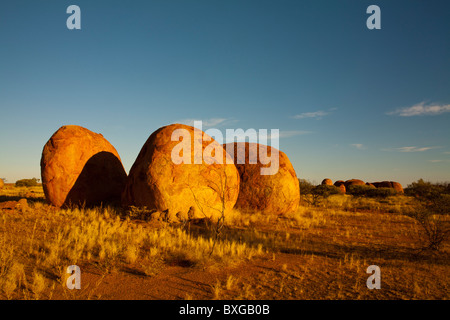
x=421, y=109
x=358, y=146
x=435, y=161
x=209, y=123
x=258, y=135
x=288, y=134
x=411, y=149
x=316, y=114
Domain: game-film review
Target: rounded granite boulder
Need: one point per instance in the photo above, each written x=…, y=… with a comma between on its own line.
x=266, y=186
x=80, y=167
x=327, y=182
x=183, y=172
x=354, y=182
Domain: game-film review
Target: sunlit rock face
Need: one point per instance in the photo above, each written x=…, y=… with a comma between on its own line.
x=275, y=190
x=182, y=171
x=80, y=167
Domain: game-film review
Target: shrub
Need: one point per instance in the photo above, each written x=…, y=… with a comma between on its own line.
x=432, y=211
x=381, y=192
x=359, y=190
x=27, y=182
x=370, y=191
x=325, y=191
x=427, y=191
x=305, y=186
x=313, y=195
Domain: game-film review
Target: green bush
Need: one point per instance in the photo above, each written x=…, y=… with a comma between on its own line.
x=314, y=195
x=424, y=190
x=432, y=211
x=325, y=191
x=381, y=192
x=370, y=191
x=27, y=182
x=359, y=190
x=305, y=186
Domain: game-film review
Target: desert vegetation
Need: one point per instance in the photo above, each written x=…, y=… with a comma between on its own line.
x=320, y=251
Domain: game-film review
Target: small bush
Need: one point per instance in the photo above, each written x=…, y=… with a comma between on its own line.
x=370, y=191
x=381, y=192
x=432, y=211
x=27, y=182
x=426, y=191
x=314, y=195
x=305, y=186
x=325, y=191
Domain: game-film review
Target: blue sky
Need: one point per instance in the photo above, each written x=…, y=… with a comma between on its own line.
x=349, y=102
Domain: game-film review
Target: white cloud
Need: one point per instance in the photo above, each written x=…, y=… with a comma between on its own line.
x=316, y=114
x=421, y=109
x=293, y=133
x=258, y=135
x=435, y=161
x=358, y=146
x=207, y=123
x=411, y=149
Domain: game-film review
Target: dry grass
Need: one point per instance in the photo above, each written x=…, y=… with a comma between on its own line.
x=315, y=253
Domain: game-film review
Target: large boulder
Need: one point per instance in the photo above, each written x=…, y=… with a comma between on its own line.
x=389, y=184
x=354, y=182
x=327, y=182
x=383, y=184
x=339, y=183
x=397, y=186
x=80, y=167
x=276, y=191
x=175, y=173
x=1, y=184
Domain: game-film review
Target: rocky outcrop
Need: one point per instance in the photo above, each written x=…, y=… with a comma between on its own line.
x=277, y=192
x=80, y=167
x=354, y=182
x=389, y=184
x=183, y=173
x=339, y=183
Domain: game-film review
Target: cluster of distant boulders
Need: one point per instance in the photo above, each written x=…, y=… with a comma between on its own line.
x=80, y=167
x=344, y=185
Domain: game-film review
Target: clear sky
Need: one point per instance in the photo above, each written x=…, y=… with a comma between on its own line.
x=349, y=102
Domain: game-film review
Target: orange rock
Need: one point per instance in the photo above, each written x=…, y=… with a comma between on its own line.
x=383, y=184
x=389, y=184
x=342, y=188
x=276, y=193
x=354, y=182
x=80, y=167
x=1, y=184
x=194, y=190
x=397, y=186
x=327, y=182
x=339, y=183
